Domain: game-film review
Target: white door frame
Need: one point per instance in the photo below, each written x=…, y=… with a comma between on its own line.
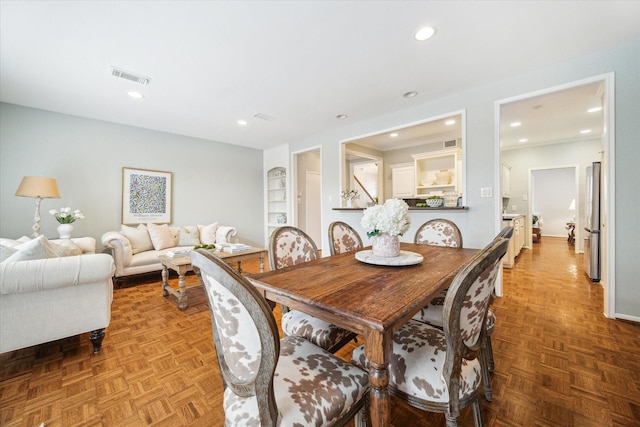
x=311, y=214
x=608, y=217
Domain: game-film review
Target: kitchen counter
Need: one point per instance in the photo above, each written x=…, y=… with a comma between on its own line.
x=509, y=217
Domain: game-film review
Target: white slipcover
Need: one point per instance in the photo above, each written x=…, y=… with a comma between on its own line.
x=48, y=299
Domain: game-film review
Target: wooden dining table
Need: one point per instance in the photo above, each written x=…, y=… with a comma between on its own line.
x=371, y=300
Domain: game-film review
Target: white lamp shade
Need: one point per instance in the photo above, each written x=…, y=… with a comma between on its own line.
x=38, y=186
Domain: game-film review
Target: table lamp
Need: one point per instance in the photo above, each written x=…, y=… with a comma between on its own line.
x=40, y=188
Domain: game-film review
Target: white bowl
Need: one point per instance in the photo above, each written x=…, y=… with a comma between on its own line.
x=434, y=203
x=425, y=182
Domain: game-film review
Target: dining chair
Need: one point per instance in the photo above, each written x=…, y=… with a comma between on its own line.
x=439, y=232
x=436, y=232
x=343, y=238
x=290, y=246
x=270, y=381
x=432, y=314
x=437, y=369
x=505, y=233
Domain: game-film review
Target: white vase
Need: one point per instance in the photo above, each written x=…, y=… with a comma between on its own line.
x=385, y=245
x=349, y=203
x=65, y=230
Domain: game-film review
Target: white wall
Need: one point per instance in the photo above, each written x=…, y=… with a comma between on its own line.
x=552, y=191
x=212, y=182
x=481, y=222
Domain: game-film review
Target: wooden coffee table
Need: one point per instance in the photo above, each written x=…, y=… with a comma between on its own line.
x=182, y=265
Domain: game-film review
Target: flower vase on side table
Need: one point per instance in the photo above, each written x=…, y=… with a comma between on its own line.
x=65, y=230
x=385, y=245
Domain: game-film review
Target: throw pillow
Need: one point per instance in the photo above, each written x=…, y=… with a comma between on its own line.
x=6, y=252
x=66, y=248
x=38, y=248
x=160, y=236
x=208, y=233
x=138, y=237
x=189, y=236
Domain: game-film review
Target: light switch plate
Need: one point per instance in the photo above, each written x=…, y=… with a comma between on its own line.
x=486, y=192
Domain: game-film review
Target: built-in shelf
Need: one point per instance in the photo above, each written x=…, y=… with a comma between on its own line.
x=277, y=207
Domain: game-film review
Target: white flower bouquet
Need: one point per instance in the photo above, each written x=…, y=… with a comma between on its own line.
x=65, y=216
x=391, y=218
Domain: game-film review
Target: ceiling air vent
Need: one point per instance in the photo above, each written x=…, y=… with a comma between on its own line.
x=117, y=72
x=264, y=117
x=450, y=144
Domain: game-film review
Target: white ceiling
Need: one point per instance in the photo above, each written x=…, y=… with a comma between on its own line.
x=302, y=63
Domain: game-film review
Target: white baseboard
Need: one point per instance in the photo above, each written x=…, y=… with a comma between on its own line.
x=627, y=317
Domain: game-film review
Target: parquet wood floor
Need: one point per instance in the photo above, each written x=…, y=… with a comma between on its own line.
x=559, y=361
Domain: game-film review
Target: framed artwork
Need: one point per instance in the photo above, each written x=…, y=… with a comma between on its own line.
x=146, y=196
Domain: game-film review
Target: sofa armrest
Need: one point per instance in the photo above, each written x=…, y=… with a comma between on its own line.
x=225, y=233
x=86, y=244
x=51, y=273
x=120, y=249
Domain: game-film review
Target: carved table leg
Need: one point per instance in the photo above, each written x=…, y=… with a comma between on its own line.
x=377, y=348
x=96, y=339
x=165, y=281
x=182, y=289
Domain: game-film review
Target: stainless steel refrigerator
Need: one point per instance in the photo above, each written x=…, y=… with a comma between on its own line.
x=592, y=223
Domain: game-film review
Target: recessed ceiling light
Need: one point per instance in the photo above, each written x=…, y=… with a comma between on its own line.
x=523, y=140
x=411, y=94
x=594, y=109
x=515, y=124
x=450, y=122
x=393, y=135
x=585, y=131
x=424, y=33
x=341, y=116
x=134, y=94
x=242, y=122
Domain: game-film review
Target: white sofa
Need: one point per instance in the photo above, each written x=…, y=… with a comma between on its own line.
x=137, y=250
x=47, y=299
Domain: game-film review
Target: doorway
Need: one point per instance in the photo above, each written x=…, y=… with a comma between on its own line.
x=554, y=192
x=307, y=178
x=313, y=223
x=529, y=106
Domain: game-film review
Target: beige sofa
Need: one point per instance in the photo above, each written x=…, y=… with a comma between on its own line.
x=136, y=250
x=55, y=297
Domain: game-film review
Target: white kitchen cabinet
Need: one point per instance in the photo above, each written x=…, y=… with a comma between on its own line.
x=505, y=180
x=516, y=243
x=518, y=224
x=402, y=181
x=428, y=165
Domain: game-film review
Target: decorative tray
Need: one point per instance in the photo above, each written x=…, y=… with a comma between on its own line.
x=405, y=258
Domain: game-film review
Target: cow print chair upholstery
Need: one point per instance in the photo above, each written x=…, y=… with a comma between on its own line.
x=290, y=246
x=343, y=238
x=268, y=381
